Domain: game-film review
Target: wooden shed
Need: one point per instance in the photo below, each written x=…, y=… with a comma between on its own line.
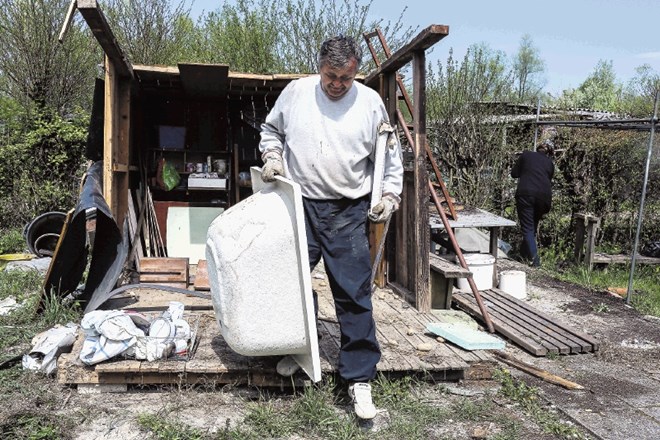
x=193, y=114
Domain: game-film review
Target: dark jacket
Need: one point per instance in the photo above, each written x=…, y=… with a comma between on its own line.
x=534, y=172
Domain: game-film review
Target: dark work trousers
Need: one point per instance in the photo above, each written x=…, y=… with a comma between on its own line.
x=337, y=230
x=530, y=210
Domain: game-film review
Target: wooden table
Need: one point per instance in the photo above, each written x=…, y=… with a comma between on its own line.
x=475, y=218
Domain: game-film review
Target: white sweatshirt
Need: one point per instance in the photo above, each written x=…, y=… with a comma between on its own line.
x=328, y=146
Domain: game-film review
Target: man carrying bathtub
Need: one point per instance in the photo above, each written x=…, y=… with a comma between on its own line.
x=322, y=134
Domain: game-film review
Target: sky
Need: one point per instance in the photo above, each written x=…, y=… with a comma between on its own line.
x=571, y=35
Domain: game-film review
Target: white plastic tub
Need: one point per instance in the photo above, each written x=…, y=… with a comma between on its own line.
x=481, y=266
x=259, y=276
x=514, y=282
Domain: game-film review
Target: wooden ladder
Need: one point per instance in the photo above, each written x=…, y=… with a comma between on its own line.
x=368, y=36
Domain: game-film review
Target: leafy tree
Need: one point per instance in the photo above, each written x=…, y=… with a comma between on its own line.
x=243, y=35
x=528, y=68
x=37, y=70
x=599, y=91
x=467, y=141
x=151, y=31
x=266, y=36
x=641, y=91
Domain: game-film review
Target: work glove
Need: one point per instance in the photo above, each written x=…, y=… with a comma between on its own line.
x=384, y=209
x=272, y=166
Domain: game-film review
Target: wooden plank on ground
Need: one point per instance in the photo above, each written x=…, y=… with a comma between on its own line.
x=214, y=362
x=170, y=271
x=594, y=342
x=466, y=303
x=527, y=326
x=542, y=327
x=553, y=344
x=202, y=276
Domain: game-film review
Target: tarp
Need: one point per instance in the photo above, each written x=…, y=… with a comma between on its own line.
x=109, y=249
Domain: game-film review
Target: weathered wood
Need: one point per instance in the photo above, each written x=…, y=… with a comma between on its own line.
x=421, y=229
x=531, y=329
x=425, y=39
x=202, y=276
x=534, y=371
x=447, y=268
x=214, y=362
x=599, y=258
x=532, y=319
x=171, y=271
x=116, y=131
x=97, y=22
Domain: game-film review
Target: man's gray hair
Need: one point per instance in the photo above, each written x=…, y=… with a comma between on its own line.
x=338, y=51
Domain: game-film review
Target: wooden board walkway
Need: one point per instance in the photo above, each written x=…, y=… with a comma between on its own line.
x=532, y=330
x=406, y=349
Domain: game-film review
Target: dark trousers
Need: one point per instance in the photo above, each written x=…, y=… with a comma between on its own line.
x=337, y=230
x=530, y=210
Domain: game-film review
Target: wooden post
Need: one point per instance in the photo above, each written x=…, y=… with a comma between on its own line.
x=421, y=233
x=586, y=227
x=116, y=132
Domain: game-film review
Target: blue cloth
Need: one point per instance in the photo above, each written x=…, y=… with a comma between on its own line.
x=337, y=230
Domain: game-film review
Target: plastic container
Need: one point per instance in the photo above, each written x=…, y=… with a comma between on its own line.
x=43, y=233
x=481, y=266
x=514, y=282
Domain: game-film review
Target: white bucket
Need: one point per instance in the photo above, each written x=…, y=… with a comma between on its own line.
x=481, y=266
x=514, y=282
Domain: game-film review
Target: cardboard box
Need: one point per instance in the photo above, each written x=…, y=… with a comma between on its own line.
x=207, y=183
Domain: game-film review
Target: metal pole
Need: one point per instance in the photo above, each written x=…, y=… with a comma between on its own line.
x=641, y=202
x=536, y=128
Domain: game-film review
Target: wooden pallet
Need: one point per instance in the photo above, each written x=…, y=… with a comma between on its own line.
x=164, y=270
x=532, y=330
x=401, y=332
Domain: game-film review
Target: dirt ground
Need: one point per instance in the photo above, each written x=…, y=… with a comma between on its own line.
x=622, y=379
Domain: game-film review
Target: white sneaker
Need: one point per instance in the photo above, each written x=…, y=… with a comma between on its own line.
x=287, y=366
x=361, y=395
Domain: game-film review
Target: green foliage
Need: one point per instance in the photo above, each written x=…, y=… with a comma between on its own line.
x=528, y=399
x=270, y=36
x=12, y=241
x=244, y=36
x=152, y=31
x=38, y=72
x=40, y=168
x=528, y=68
x=599, y=91
x=639, y=94
x=163, y=429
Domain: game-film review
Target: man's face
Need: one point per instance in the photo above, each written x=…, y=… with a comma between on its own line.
x=337, y=81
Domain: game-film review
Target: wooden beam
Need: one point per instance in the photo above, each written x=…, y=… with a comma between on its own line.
x=425, y=39
x=421, y=233
x=116, y=130
x=96, y=21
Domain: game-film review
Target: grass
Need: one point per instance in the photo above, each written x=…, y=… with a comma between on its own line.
x=415, y=410
x=646, y=289
x=528, y=399
x=32, y=413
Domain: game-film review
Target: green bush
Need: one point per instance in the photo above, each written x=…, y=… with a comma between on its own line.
x=40, y=168
x=12, y=241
